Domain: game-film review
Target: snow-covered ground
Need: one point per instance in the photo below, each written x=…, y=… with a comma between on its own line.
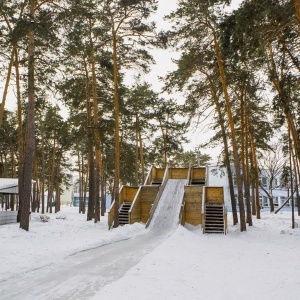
x=261, y=263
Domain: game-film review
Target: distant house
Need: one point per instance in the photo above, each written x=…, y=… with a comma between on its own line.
x=217, y=176
x=76, y=199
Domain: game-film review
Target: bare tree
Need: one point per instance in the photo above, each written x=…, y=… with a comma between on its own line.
x=271, y=166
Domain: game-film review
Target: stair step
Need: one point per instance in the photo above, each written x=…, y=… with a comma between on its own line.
x=123, y=213
x=214, y=219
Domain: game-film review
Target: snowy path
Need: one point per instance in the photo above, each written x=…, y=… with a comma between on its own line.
x=82, y=275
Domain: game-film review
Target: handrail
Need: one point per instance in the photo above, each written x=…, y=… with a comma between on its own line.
x=111, y=215
x=203, y=209
x=121, y=195
x=225, y=219
x=182, y=209
x=148, y=176
x=189, y=174
x=160, y=191
x=135, y=200
x=206, y=176
x=224, y=212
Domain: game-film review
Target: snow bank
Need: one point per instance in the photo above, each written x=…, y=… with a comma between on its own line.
x=46, y=243
x=261, y=263
x=258, y=264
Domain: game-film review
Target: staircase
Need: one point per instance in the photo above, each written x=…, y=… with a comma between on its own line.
x=214, y=219
x=123, y=213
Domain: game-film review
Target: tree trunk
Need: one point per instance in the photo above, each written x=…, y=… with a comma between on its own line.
x=20, y=133
x=253, y=151
x=236, y=160
x=91, y=205
x=6, y=85
x=43, y=171
x=80, y=200
x=142, y=157
x=98, y=159
x=85, y=188
x=247, y=180
x=30, y=145
x=117, y=138
x=52, y=175
x=226, y=150
x=103, y=196
x=57, y=183
x=244, y=141
x=292, y=177
x=136, y=152
x=297, y=9
x=297, y=178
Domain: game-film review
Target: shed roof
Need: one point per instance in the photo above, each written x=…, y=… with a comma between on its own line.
x=9, y=186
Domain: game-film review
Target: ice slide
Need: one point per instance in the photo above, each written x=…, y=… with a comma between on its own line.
x=166, y=216
x=82, y=275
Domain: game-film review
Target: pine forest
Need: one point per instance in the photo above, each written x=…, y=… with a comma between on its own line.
x=68, y=108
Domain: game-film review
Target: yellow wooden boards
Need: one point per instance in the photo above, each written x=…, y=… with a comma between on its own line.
x=148, y=195
x=214, y=195
x=198, y=173
x=128, y=193
x=155, y=175
x=193, y=204
x=143, y=203
x=178, y=173
x=198, y=176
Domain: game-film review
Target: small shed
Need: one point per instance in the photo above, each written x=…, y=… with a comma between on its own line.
x=9, y=186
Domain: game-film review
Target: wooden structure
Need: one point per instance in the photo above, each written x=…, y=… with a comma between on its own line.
x=192, y=205
x=127, y=195
x=201, y=205
x=215, y=215
x=155, y=176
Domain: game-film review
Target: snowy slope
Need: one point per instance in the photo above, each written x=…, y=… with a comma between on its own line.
x=81, y=273
x=52, y=262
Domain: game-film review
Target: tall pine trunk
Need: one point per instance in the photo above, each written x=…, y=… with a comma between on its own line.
x=117, y=134
x=236, y=159
x=97, y=138
x=30, y=136
x=256, y=172
x=226, y=149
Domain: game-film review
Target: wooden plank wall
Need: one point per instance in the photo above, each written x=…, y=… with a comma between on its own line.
x=156, y=174
x=128, y=193
x=178, y=173
x=148, y=195
x=159, y=174
x=198, y=173
x=193, y=204
x=214, y=195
